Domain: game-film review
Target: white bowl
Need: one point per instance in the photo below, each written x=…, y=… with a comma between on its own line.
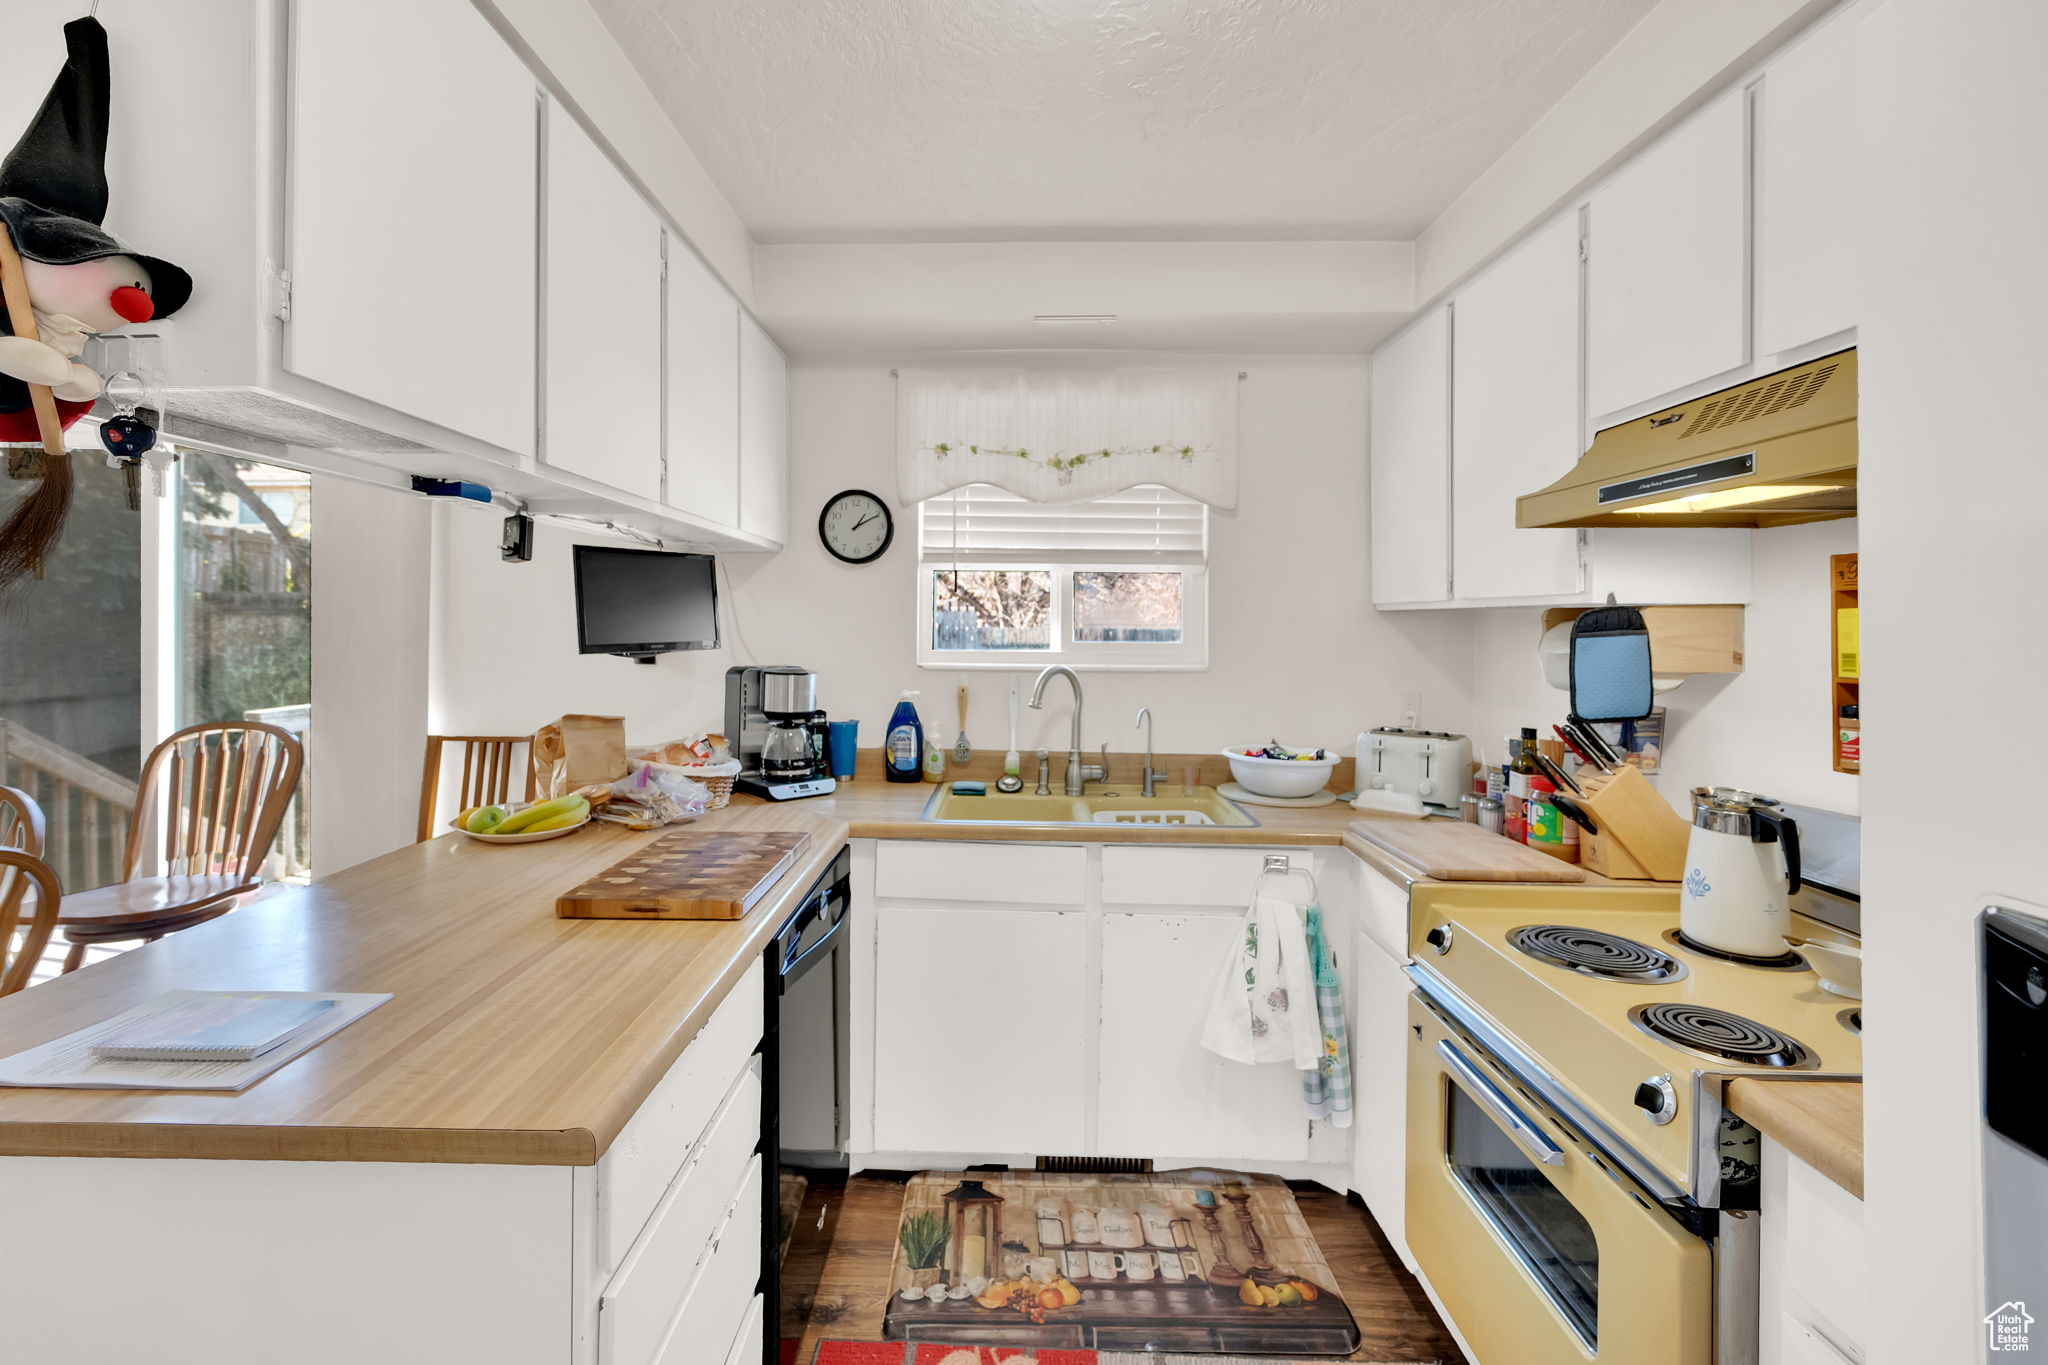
x=1280, y=776
x=1839, y=967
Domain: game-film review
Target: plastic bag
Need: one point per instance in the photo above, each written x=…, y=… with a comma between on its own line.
x=663, y=790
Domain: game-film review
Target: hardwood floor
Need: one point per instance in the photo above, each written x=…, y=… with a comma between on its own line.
x=836, y=1276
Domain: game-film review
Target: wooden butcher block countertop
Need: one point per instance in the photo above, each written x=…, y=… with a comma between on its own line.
x=1820, y=1122
x=511, y=1037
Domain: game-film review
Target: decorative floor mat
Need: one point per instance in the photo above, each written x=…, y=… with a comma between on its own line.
x=1060, y=1264
x=933, y=1353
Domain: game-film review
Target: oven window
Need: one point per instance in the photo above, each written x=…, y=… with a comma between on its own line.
x=1540, y=1225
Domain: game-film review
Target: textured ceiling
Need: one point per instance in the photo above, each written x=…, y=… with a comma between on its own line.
x=933, y=120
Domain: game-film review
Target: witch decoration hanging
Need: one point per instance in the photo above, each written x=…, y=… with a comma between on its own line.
x=63, y=279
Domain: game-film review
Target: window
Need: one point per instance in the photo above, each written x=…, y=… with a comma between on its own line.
x=1118, y=582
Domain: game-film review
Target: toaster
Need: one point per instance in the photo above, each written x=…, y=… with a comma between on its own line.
x=1428, y=765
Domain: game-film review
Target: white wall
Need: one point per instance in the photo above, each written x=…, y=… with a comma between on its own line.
x=1951, y=482
x=1766, y=729
x=1296, y=650
x=370, y=595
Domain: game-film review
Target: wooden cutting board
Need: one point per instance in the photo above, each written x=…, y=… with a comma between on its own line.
x=1452, y=851
x=687, y=875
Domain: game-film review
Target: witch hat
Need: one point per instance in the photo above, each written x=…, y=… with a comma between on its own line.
x=53, y=185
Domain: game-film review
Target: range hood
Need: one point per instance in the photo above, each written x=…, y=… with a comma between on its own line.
x=1775, y=451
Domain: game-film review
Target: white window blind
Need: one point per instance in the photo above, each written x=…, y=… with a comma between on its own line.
x=984, y=524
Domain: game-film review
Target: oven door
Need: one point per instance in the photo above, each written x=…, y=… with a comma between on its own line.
x=1540, y=1254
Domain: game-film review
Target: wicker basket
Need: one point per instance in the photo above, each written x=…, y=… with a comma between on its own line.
x=717, y=781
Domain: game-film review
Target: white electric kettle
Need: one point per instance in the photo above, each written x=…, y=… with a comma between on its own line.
x=1741, y=864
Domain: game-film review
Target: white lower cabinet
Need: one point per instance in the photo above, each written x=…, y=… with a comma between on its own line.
x=1160, y=1092
x=721, y=1294
x=1813, y=1264
x=1379, y=1070
x=747, y=1346
x=980, y=1039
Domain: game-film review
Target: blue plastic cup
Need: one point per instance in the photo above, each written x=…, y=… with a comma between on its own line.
x=840, y=745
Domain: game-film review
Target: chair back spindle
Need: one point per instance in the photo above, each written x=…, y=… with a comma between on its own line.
x=219, y=791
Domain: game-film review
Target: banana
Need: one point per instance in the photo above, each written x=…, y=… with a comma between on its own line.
x=541, y=810
x=483, y=819
x=576, y=816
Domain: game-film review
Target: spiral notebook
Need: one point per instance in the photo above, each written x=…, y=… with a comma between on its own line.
x=204, y=1040
x=213, y=1028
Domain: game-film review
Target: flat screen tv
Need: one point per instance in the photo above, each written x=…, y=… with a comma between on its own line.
x=640, y=603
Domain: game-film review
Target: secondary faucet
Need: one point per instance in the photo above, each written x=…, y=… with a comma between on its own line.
x=1079, y=773
x=1151, y=774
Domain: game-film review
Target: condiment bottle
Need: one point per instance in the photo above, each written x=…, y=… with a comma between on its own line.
x=1521, y=770
x=1849, y=740
x=1547, y=823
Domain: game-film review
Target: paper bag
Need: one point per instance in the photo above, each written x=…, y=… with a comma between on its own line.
x=577, y=751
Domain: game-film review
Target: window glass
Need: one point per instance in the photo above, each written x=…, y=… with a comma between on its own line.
x=1127, y=608
x=71, y=675
x=991, y=609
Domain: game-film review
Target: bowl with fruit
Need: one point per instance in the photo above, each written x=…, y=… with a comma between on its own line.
x=524, y=822
x=1275, y=770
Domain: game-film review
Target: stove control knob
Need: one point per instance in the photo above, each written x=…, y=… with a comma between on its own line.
x=1658, y=1099
x=1439, y=938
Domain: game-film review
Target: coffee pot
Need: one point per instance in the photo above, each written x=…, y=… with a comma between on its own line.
x=1741, y=867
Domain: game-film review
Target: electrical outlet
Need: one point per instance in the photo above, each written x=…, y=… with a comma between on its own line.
x=1411, y=709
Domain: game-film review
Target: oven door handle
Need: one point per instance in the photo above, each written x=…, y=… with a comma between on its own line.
x=1520, y=1127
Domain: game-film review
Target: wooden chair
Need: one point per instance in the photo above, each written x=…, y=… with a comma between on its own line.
x=489, y=764
x=21, y=821
x=19, y=868
x=216, y=794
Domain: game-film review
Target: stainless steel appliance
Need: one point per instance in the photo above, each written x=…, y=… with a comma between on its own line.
x=1575, y=1188
x=803, y=1055
x=2014, y=951
x=776, y=731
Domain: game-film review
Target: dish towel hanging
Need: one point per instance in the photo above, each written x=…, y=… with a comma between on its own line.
x=1327, y=1089
x=1263, y=1007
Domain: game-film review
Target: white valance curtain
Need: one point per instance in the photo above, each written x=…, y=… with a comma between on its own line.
x=1061, y=436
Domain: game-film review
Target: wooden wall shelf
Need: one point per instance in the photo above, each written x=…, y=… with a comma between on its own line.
x=1845, y=654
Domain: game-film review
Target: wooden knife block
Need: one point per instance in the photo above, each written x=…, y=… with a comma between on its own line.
x=1641, y=838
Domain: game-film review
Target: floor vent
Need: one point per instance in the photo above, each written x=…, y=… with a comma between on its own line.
x=1102, y=1165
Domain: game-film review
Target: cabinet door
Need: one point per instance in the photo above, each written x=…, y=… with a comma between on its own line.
x=764, y=435
x=1411, y=464
x=703, y=473
x=1666, y=273
x=1379, y=1082
x=1161, y=1093
x=980, y=1039
x=1515, y=417
x=1806, y=238
x=386, y=241
x=603, y=342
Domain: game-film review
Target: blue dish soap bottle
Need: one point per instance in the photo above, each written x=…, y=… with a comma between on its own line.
x=903, y=750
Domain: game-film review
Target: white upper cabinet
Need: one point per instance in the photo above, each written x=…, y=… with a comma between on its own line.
x=1515, y=417
x=1806, y=194
x=703, y=391
x=1410, y=534
x=388, y=244
x=1666, y=283
x=764, y=435
x=603, y=342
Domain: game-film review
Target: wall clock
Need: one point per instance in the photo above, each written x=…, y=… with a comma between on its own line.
x=856, y=526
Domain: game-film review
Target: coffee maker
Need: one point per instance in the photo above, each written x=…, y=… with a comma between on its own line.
x=776, y=731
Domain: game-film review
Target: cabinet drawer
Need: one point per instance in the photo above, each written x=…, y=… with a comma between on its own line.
x=644, y=1159
x=713, y=1318
x=1825, y=1260
x=1029, y=874
x=746, y=1347
x=1189, y=876
x=641, y=1300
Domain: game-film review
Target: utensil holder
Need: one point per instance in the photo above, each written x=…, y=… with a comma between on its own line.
x=1640, y=837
